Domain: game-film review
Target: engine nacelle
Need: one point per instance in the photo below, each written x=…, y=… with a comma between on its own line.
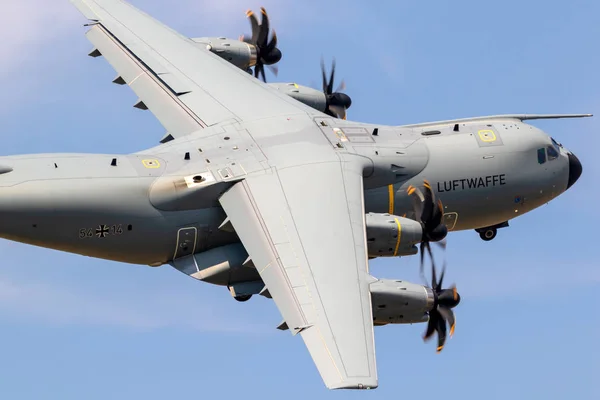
x=244, y=55
x=399, y=302
x=309, y=96
x=391, y=236
x=240, y=54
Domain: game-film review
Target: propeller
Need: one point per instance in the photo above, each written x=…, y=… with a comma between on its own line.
x=337, y=102
x=267, y=51
x=441, y=313
x=429, y=213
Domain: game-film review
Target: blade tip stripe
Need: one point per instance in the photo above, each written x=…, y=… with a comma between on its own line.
x=399, y=236
x=391, y=199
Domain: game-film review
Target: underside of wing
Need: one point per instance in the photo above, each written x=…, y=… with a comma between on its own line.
x=182, y=83
x=308, y=244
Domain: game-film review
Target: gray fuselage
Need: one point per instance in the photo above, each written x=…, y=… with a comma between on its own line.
x=134, y=209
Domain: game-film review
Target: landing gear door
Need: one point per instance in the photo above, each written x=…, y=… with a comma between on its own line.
x=186, y=242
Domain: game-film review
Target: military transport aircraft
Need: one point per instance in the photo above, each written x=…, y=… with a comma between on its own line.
x=257, y=191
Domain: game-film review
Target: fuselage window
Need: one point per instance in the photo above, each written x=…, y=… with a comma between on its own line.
x=552, y=153
x=541, y=155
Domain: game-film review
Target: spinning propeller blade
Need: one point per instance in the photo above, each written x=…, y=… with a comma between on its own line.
x=441, y=313
x=337, y=103
x=430, y=212
x=267, y=51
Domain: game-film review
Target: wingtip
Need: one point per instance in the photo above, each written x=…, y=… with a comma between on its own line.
x=367, y=384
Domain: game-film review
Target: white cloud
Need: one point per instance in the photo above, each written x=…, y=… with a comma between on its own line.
x=26, y=26
x=34, y=33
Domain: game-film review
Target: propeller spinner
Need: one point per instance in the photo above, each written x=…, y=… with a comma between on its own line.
x=267, y=51
x=337, y=102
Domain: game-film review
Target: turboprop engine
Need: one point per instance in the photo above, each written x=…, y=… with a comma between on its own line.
x=400, y=302
x=256, y=50
x=391, y=236
x=332, y=102
x=242, y=55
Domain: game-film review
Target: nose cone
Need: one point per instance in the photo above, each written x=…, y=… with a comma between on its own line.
x=575, y=169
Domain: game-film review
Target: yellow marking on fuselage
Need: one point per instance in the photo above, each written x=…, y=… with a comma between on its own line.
x=391, y=202
x=399, y=236
x=487, y=135
x=151, y=164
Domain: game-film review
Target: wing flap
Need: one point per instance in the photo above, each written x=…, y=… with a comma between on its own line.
x=176, y=84
x=240, y=206
x=159, y=98
x=308, y=243
x=127, y=67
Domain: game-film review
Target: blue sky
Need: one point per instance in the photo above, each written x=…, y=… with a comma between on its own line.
x=73, y=327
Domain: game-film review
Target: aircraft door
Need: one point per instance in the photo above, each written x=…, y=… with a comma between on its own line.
x=186, y=242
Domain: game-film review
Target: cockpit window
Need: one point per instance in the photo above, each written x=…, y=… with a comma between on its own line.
x=541, y=153
x=556, y=143
x=552, y=153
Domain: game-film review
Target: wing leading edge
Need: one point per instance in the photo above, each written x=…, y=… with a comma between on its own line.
x=308, y=243
x=519, y=117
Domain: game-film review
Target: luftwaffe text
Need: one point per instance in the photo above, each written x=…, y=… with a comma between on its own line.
x=472, y=183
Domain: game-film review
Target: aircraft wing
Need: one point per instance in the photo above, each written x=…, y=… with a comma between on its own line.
x=183, y=84
x=308, y=243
